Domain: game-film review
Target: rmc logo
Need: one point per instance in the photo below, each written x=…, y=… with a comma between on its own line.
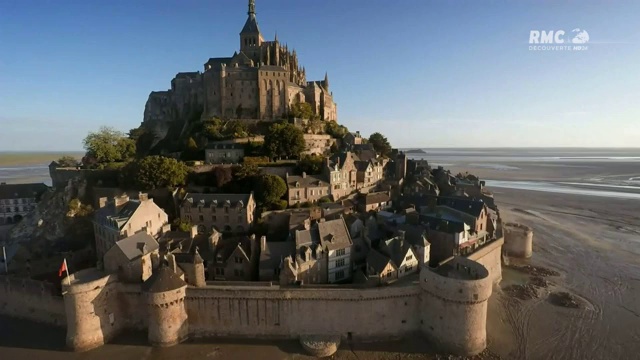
x=558, y=40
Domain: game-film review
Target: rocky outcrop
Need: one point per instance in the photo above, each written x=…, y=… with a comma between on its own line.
x=59, y=223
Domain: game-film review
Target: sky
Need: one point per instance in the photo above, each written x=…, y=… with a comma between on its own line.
x=424, y=73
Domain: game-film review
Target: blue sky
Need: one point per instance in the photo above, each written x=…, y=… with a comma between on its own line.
x=425, y=73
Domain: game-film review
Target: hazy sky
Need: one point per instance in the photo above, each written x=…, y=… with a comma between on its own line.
x=425, y=73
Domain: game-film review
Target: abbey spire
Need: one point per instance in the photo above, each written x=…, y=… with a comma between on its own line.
x=250, y=36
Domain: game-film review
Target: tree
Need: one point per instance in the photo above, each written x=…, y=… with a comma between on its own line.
x=283, y=140
x=336, y=131
x=244, y=179
x=301, y=111
x=269, y=189
x=380, y=144
x=236, y=129
x=212, y=129
x=153, y=172
x=311, y=164
x=109, y=145
x=67, y=161
x=182, y=225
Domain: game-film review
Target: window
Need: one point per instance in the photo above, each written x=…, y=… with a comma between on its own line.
x=339, y=275
x=408, y=268
x=339, y=262
x=220, y=271
x=409, y=257
x=238, y=260
x=201, y=217
x=340, y=252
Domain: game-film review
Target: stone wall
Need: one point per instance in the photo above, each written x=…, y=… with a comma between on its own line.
x=455, y=306
x=518, y=240
x=32, y=300
x=60, y=176
x=274, y=312
x=490, y=256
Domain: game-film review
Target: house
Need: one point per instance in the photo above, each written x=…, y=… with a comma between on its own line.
x=374, y=201
x=365, y=152
x=401, y=253
x=227, y=213
x=123, y=217
x=233, y=259
x=17, y=200
x=476, y=209
x=340, y=171
x=131, y=258
x=381, y=267
x=350, y=139
x=416, y=235
x=447, y=235
x=224, y=153
x=323, y=254
x=272, y=254
x=305, y=188
x=369, y=172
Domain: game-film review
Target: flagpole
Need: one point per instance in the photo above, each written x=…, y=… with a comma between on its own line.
x=67, y=269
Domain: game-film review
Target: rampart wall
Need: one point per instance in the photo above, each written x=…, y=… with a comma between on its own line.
x=274, y=312
x=32, y=300
x=490, y=257
x=60, y=176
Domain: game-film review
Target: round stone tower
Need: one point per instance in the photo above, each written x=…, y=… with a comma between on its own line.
x=92, y=309
x=454, y=305
x=518, y=240
x=168, y=323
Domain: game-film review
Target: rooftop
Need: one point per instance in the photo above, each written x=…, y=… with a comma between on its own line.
x=19, y=191
x=131, y=246
x=217, y=200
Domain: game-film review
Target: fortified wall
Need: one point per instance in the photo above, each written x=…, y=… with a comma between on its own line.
x=32, y=300
x=446, y=304
x=518, y=240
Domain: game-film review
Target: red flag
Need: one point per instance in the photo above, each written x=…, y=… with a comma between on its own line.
x=63, y=268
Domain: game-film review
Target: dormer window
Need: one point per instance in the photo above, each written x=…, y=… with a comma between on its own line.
x=297, y=184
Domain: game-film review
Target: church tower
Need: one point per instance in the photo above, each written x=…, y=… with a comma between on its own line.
x=250, y=37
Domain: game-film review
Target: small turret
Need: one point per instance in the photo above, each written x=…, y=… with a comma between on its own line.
x=326, y=81
x=168, y=320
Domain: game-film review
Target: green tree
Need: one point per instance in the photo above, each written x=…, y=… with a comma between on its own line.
x=67, y=161
x=269, y=189
x=153, y=172
x=182, y=225
x=336, y=131
x=301, y=111
x=236, y=129
x=212, y=129
x=283, y=140
x=109, y=145
x=192, y=145
x=244, y=179
x=311, y=164
x=135, y=134
x=380, y=144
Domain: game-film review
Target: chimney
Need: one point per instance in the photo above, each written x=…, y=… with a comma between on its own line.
x=263, y=243
x=121, y=200
x=102, y=202
x=143, y=196
x=171, y=261
x=194, y=232
x=142, y=247
x=358, y=133
x=304, y=174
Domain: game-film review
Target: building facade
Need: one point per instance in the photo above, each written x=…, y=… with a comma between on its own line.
x=224, y=153
x=227, y=213
x=305, y=188
x=17, y=200
x=123, y=217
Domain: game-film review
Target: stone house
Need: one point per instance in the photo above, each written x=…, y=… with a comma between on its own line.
x=374, y=201
x=305, y=188
x=227, y=213
x=233, y=259
x=340, y=170
x=446, y=235
x=17, y=200
x=323, y=254
x=123, y=217
x=224, y=153
x=350, y=139
x=131, y=258
x=381, y=267
x=370, y=172
x=476, y=209
x=272, y=255
x=401, y=253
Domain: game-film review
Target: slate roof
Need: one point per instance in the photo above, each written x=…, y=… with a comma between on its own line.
x=377, y=261
x=18, y=191
x=442, y=225
x=218, y=61
x=471, y=207
x=414, y=234
x=271, y=256
x=363, y=147
x=219, y=200
x=367, y=154
x=307, y=181
x=130, y=248
x=227, y=246
x=397, y=249
x=331, y=235
x=117, y=216
x=218, y=146
x=163, y=279
x=251, y=26
x=342, y=157
x=376, y=198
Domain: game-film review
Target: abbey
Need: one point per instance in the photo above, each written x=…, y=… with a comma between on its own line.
x=261, y=81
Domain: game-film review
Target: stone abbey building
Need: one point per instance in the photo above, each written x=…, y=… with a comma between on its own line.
x=260, y=82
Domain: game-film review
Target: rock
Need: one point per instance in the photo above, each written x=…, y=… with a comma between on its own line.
x=564, y=299
x=320, y=345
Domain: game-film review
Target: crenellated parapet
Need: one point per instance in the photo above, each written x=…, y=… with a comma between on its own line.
x=168, y=323
x=454, y=307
